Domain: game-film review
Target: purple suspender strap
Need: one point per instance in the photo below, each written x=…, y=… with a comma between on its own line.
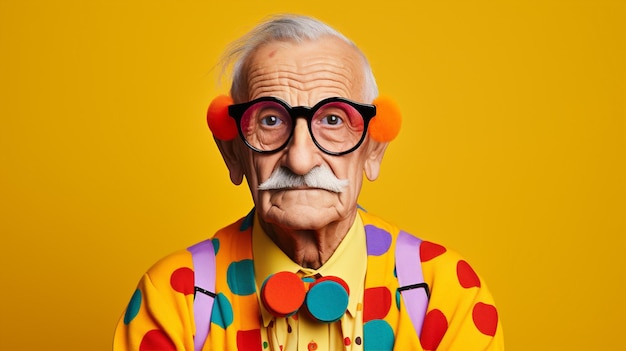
x=203, y=256
x=413, y=289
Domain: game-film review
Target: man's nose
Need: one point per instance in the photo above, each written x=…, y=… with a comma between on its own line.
x=301, y=154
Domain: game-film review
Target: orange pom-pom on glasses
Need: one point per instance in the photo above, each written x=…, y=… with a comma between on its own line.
x=386, y=125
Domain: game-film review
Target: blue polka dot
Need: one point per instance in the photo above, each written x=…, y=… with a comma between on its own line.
x=398, y=297
x=247, y=222
x=222, y=314
x=327, y=301
x=216, y=244
x=377, y=335
x=240, y=277
x=133, y=307
x=378, y=240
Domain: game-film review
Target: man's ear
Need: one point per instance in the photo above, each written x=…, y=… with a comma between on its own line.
x=229, y=150
x=374, y=159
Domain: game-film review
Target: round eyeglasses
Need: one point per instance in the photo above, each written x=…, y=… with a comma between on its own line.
x=337, y=126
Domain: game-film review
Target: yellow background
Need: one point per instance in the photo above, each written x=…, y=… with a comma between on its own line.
x=512, y=152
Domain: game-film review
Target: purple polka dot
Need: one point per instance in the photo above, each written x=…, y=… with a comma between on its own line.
x=378, y=240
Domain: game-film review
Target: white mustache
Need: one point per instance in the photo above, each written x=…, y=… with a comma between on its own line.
x=319, y=177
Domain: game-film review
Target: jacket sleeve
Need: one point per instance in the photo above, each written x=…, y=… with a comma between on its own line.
x=461, y=313
x=159, y=315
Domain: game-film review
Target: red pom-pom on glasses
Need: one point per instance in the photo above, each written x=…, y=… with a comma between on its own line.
x=222, y=126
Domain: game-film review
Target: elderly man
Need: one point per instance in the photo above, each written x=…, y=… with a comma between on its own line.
x=307, y=268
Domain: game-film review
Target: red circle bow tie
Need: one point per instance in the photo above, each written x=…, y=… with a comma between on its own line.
x=284, y=293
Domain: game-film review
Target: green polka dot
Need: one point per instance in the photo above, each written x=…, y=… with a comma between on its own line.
x=222, y=314
x=240, y=277
x=133, y=307
x=378, y=335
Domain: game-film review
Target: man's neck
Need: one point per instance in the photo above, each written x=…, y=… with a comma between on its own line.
x=308, y=248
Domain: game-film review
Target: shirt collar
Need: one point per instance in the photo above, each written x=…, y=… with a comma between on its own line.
x=349, y=262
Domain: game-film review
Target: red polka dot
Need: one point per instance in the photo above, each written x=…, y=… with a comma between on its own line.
x=485, y=318
x=249, y=340
x=467, y=277
x=429, y=250
x=435, y=327
x=156, y=340
x=376, y=303
x=182, y=280
x=346, y=341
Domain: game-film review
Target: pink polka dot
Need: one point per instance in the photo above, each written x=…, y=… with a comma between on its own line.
x=429, y=250
x=435, y=327
x=467, y=277
x=249, y=340
x=376, y=303
x=485, y=318
x=182, y=280
x=156, y=340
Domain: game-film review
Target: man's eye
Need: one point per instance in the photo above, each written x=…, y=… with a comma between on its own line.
x=332, y=120
x=270, y=121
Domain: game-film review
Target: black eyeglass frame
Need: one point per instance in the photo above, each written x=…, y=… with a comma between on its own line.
x=367, y=112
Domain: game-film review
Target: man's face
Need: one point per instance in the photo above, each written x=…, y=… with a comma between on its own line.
x=302, y=74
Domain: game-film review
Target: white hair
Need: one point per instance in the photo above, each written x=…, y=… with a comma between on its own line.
x=295, y=28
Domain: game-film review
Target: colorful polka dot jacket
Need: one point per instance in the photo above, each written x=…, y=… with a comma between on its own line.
x=461, y=314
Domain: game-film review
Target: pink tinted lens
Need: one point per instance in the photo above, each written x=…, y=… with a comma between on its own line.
x=337, y=126
x=266, y=125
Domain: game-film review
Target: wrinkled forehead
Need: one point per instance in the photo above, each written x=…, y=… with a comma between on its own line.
x=303, y=73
